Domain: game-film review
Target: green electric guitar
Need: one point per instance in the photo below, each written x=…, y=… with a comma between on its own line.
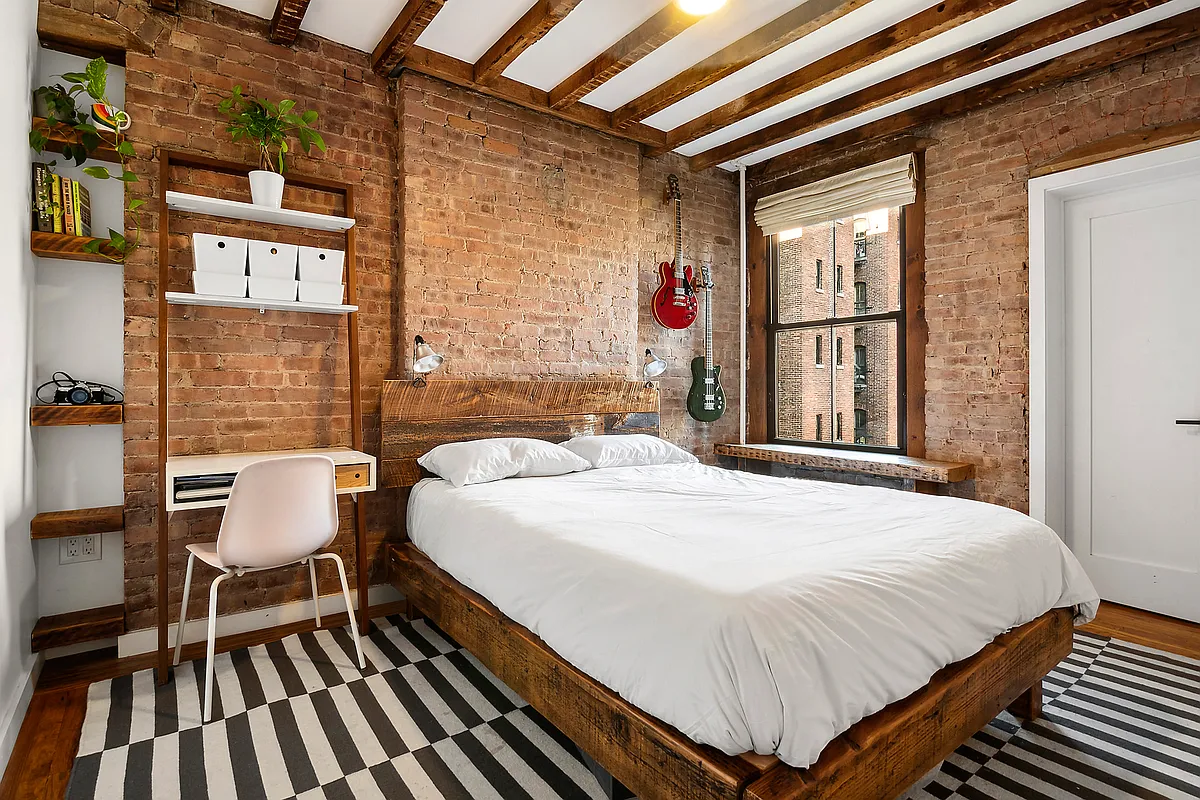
x=706, y=398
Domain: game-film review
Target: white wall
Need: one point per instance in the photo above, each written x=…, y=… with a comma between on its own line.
x=79, y=312
x=18, y=596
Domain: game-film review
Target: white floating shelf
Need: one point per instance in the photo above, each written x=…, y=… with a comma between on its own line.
x=231, y=209
x=187, y=299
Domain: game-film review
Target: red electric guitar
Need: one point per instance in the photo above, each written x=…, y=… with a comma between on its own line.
x=674, y=303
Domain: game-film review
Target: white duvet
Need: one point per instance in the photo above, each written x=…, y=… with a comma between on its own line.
x=752, y=613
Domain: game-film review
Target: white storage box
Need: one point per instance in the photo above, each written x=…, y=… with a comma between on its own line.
x=272, y=260
x=219, y=284
x=319, y=292
x=320, y=265
x=222, y=254
x=272, y=288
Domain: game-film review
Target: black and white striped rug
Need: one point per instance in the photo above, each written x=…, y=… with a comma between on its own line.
x=426, y=721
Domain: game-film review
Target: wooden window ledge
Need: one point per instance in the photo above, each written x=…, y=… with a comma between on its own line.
x=882, y=465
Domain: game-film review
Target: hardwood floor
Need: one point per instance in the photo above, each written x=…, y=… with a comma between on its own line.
x=1148, y=629
x=40, y=765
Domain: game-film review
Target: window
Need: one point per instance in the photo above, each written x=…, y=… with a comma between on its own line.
x=803, y=320
x=860, y=425
x=860, y=297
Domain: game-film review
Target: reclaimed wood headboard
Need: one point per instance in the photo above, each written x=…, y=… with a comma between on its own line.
x=415, y=419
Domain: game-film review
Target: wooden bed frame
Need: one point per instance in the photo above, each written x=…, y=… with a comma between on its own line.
x=877, y=759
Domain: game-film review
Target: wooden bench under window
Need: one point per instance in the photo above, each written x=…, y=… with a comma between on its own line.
x=920, y=474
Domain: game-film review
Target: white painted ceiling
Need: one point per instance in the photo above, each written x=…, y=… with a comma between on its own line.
x=465, y=29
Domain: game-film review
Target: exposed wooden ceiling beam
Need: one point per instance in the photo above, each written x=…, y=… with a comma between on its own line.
x=285, y=25
x=644, y=40
x=531, y=27
x=794, y=25
x=917, y=28
x=1062, y=25
x=460, y=73
x=1166, y=33
x=412, y=20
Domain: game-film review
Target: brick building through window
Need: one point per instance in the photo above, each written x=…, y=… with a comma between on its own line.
x=808, y=322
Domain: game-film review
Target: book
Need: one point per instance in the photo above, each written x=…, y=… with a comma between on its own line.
x=68, y=201
x=56, y=203
x=83, y=210
x=43, y=210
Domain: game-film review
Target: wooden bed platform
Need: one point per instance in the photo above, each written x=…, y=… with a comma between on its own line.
x=877, y=759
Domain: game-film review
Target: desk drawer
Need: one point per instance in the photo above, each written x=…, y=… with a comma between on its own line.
x=352, y=476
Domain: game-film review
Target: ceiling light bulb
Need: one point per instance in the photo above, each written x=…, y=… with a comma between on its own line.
x=699, y=7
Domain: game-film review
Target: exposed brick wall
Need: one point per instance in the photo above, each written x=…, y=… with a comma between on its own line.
x=520, y=245
x=710, y=232
x=530, y=249
x=977, y=244
x=520, y=238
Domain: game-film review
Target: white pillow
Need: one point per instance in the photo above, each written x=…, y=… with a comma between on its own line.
x=485, y=460
x=628, y=450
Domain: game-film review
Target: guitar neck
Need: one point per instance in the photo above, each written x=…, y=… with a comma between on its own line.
x=708, y=347
x=679, y=238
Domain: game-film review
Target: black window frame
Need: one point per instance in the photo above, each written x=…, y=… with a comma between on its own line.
x=898, y=316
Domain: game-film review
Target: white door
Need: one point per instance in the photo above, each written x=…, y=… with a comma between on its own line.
x=1132, y=393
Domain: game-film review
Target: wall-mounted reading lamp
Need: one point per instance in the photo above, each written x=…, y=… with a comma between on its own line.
x=425, y=361
x=653, y=367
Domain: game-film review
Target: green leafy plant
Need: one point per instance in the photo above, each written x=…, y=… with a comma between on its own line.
x=268, y=126
x=79, y=133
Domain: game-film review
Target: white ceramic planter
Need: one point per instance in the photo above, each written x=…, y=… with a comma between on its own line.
x=266, y=188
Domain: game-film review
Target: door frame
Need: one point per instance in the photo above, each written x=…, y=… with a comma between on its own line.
x=1048, y=196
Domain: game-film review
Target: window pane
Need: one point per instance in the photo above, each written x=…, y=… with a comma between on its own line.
x=803, y=262
x=872, y=245
x=802, y=387
x=865, y=390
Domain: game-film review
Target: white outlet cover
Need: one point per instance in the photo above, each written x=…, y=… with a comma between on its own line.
x=78, y=549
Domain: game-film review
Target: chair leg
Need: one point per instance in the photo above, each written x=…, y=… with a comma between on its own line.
x=312, y=576
x=187, y=591
x=362, y=661
x=212, y=643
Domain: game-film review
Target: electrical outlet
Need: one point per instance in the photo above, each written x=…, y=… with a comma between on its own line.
x=77, y=549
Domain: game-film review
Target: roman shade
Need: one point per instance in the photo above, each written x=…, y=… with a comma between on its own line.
x=883, y=185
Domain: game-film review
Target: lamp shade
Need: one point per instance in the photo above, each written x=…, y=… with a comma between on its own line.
x=425, y=360
x=654, y=365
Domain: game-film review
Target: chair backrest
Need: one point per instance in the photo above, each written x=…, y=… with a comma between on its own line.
x=279, y=511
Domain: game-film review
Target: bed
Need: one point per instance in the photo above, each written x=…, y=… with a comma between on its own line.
x=681, y=626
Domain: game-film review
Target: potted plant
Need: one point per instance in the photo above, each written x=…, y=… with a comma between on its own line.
x=79, y=133
x=268, y=125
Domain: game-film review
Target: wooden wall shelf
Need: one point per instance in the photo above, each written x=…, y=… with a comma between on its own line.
x=61, y=245
x=79, y=522
x=85, y=34
x=75, y=627
x=60, y=134
x=111, y=414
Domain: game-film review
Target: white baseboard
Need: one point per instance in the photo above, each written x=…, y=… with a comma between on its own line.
x=145, y=640
x=14, y=716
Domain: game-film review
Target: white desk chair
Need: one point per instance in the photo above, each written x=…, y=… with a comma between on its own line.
x=280, y=512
